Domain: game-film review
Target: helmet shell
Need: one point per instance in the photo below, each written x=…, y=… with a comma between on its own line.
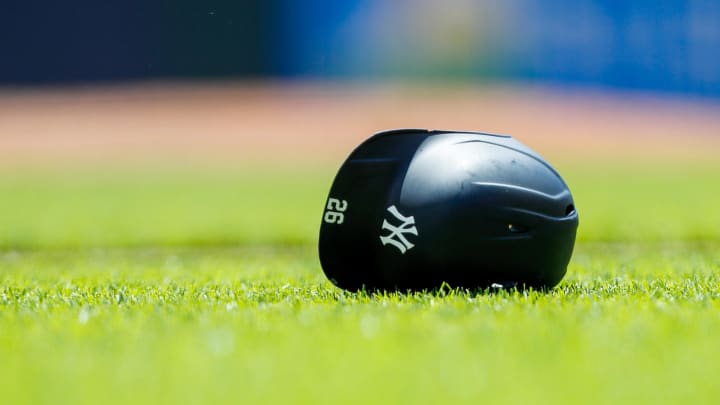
x=412, y=209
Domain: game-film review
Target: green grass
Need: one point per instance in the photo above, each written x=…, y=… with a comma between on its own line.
x=204, y=325
x=153, y=206
x=166, y=207
x=182, y=286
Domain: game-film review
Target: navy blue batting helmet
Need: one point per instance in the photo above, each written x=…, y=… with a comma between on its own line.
x=412, y=209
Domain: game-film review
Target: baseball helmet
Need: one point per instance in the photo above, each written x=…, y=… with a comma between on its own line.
x=412, y=209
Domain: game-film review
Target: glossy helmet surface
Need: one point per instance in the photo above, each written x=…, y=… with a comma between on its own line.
x=413, y=209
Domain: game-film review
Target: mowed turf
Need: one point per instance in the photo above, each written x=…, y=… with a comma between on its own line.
x=154, y=206
x=203, y=286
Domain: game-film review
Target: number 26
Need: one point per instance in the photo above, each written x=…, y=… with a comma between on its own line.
x=335, y=210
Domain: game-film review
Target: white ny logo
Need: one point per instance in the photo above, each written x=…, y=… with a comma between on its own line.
x=397, y=233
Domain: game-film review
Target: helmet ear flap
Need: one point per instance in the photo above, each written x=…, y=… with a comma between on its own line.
x=421, y=208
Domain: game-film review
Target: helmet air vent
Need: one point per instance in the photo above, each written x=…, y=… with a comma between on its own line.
x=515, y=228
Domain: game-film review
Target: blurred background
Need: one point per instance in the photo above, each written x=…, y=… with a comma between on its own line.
x=640, y=45
x=166, y=98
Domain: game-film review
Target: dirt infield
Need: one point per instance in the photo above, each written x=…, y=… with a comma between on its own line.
x=251, y=121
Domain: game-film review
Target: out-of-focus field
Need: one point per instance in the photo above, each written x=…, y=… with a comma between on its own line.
x=264, y=205
x=237, y=164
x=299, y=123
x=157, y=244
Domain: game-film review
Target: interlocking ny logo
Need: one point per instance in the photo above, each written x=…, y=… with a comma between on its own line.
x=397, y=233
